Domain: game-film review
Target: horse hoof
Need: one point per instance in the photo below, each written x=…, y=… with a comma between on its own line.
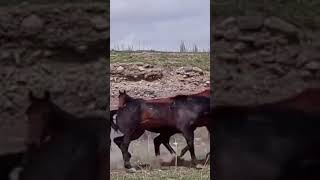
x=14, y=174
x=131, y=170
x=199, y=166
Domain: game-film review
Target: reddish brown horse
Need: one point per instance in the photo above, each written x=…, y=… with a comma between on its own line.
x=205, y=93
x=308, y=101
x=179, y=114
x=56, y=136
x=164, y=138
x=278, y=140
x=268, y=142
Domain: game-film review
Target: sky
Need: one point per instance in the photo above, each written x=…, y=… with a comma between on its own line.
x=160, y=24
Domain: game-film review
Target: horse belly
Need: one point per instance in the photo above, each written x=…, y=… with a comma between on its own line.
x=150, y=123
x=153, y=120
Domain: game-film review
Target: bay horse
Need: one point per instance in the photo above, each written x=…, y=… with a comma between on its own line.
x=308, y=101
x=164, y=138
x=282, y=137
x=181, y=114
x=49, y=125
x=268, y=142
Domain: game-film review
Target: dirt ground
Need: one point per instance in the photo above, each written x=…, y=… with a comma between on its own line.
x=157, y=75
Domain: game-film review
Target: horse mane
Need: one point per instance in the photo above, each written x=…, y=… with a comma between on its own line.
x=129, y=98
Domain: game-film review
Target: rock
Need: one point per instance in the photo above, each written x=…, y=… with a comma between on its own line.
x=246, y=38
x=305, y=74
x=141, y=68
x=282, y=41
x=81, y=48
x=120, y=69
x=100, y=23
x=250, y=22
x=148, y=66
x=270, y=59
x=47, y=53
x=231, y=34
x=313, y=66
x=229, y=22
x=152, y=76
x=265, y=53
x=284, y=58
x=5, y=55
x=294, y=51
x=239, y=47
x=278, y=24
x=301, y=60
x=261, y=42
x=198, y=70
x=32, y=24
x=250, y=56
x=139, y=63
x=277, y=70
x=228, y=57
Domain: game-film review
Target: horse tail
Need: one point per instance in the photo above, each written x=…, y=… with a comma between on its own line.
x=113, y=125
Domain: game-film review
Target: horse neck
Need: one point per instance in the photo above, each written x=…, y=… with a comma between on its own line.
x=129, y=99
x=59, y=116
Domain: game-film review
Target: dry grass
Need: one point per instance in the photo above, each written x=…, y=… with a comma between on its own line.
x=181, y=173
x=169, y=167
x=200, y=60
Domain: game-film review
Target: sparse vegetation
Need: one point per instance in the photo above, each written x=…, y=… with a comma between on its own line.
x=201, y=60
x=181, y=173
x=182, y=48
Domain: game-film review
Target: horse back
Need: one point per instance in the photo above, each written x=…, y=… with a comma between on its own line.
x=156, y=115
x=205, y=93
x=308, y=101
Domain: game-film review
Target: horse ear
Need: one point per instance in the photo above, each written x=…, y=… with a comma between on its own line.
x=47, y=94
x=31, y=97
x=124, y=92
x=120, y=92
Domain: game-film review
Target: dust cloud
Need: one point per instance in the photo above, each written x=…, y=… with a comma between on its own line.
x=142, y=150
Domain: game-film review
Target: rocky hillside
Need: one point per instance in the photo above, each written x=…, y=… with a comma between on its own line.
x=61, y=48
x=259, y=59
x=150, y=79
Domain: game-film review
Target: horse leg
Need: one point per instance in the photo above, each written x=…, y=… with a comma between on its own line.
x=166, y=143
x=118, y=141
x=157, y=143
x=189, y=136
x=164, y=139
x=123, y=142
x=183, y=151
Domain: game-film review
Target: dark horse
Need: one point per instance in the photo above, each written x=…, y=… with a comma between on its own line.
x=164, y=138
x=180, y=114
x=264, y=142
x=64, y=146
x=273, y=141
